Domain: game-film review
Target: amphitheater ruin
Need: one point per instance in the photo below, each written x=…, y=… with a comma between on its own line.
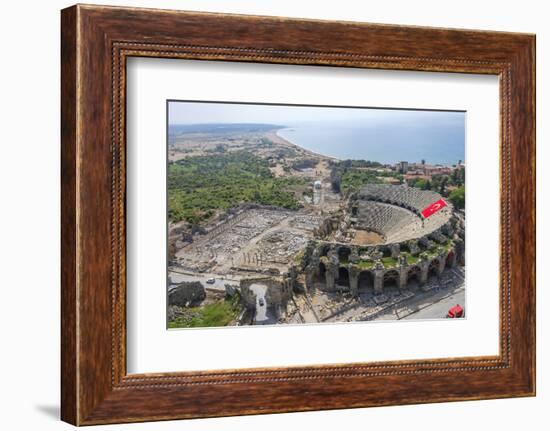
x=410, y=246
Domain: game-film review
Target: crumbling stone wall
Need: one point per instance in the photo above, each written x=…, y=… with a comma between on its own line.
x=278, y=291
x=332, y=264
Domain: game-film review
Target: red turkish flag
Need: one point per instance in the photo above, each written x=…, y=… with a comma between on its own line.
x=433, y=208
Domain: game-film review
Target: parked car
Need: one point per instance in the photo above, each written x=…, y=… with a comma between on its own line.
x=211, y=280
x=455, y=312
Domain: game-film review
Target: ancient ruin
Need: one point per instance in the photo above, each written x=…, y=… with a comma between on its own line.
x=353, y=258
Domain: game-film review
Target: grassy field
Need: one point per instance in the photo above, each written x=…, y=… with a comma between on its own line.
x=220, y=313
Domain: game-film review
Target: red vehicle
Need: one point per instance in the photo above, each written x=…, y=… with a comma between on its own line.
x=455, y=312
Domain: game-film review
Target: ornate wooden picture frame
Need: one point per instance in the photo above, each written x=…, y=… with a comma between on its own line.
x=96, y=41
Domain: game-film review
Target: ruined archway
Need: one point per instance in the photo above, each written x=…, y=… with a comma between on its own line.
x=324, y=250
x=386, y=251
x=433, y=269
x=343, y=254
x=343, y=277
x=391, y=279
x=366, y=280
x=321, y=273
x=414, y=274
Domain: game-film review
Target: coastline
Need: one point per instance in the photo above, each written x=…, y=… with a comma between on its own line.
x=278, y=139
x=274, y=135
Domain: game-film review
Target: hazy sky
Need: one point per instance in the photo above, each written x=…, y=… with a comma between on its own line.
x=195, y=113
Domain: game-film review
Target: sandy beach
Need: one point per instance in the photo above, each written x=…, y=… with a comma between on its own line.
x=274, y=136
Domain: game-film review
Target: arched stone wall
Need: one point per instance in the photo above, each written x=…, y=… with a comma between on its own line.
x=366, y=280
x=414, y=273
x=342, y=265
x=344, y=253
x=433, y=269
x=391, y=278
x=322, y=270
x=276, y=291
x=343, y=277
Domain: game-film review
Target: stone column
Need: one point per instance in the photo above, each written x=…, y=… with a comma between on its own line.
x=442, y=261
x=378, y=277
x=314, y=261
x=452, y=258
x=403, y=277
x=424, y=268
x=329, y=279
x=310, y=277
x=354, y=271
x=293, y=274
x=403, y=271
x=378, y=282
x=331, y=269
x=424, y=274
x=395, y=250
x=459, y=250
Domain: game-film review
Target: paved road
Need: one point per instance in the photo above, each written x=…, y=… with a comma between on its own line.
x=261, y=307
x=219, y=283
x=438, y=310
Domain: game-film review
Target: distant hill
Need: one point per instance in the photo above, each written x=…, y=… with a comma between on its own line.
x=180, y=129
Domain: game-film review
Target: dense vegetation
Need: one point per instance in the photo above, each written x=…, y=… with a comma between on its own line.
x=356, y=173
x=305, y=163
x=353, y=178
x=198, y=186
x=220, y=313
x=458, y=198
x=440, y=183
x=356, y=164
x=451, y=186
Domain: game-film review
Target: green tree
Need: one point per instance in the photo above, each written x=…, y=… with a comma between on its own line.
x=419, y=183
x=458, y=197
x=200, y=186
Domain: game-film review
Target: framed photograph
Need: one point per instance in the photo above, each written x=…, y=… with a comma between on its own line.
x=329, y=214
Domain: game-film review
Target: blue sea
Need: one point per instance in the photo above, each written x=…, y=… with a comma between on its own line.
x=436, y=137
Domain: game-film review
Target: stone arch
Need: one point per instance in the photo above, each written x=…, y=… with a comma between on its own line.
x=321, y=272
x=366, y=280
x=324, y=249
x=433, y=268
x=391, y=278
x=344, y=253
x=414, y=273
x=343, y=276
